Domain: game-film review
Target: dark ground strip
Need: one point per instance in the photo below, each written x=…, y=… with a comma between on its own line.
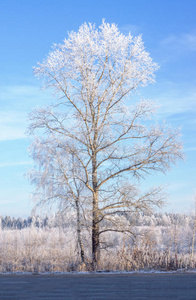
x=98, y=286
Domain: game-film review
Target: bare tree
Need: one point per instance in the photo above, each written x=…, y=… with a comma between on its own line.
x=94, y=73
x=57, y=179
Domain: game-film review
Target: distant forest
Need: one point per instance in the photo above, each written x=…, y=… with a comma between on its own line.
x=58, y=220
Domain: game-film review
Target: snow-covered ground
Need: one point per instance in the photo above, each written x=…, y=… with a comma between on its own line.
x=159, y=245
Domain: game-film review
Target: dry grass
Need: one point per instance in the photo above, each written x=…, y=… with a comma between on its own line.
x=55, y=249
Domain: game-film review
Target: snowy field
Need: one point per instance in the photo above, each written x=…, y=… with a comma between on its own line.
x=99, y=286
x=162, y=242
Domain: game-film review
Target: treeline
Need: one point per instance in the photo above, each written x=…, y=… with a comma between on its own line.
x=8, y=222
x=59, y=220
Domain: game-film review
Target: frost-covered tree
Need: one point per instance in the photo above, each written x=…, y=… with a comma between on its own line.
x=94, y=73
x=58, y=179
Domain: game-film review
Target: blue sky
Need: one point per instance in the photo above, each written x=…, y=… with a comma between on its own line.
x=27, y=31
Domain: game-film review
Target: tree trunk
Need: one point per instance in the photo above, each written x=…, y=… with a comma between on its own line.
x=81, y=246
x=95, y=221
x=95, y=233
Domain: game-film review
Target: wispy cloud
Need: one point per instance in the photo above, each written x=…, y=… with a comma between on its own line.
x=12, y=125
x=10, y=133
x=179, y=43
x=177, y=186
x=23, y=97
x=15, y=164
x=176, y=99
x=190, y=149
x=16, y=101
